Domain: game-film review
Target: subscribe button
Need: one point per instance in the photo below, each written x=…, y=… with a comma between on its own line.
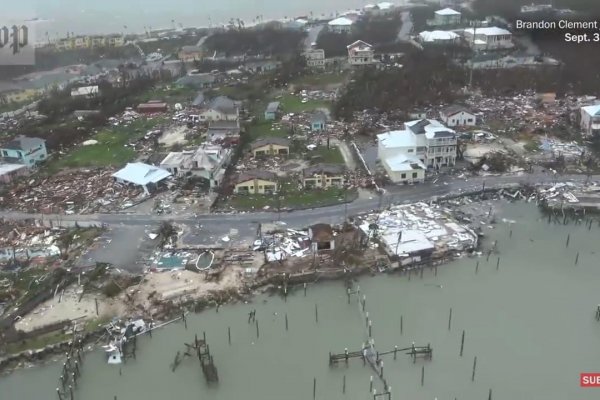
x=589, y=379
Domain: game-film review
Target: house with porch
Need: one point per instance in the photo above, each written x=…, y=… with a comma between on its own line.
x=360, y=53
x=323, y=176
x=256, y=182
x=24, y=150
x=425, y=140
x=488, y=38
x=321, y=237
x=445, y=17
x=271, y=146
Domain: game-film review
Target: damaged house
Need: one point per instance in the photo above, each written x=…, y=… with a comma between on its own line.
x=256, y=182
x=321, y=237
x=207, y=162
x=323, y=176
x=221, y=108
x=146, y=176
x=271, y=146
x=24, y=150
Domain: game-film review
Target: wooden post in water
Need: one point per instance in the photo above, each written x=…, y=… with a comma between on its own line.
x=71, y=391
x=229, y=334
x=477, y=267
x=314, y=388
x=490, y=395
x=577, y=258
x=96, y=301
x=59, y=395
x=568, y=239
x=422, y=375
x=401, y=324
x=371, y=384
x=488, y=256
x=286, y=322
x=364, y=302
x=395, y=351
x=462, y=343
x=498, y=264
x=316, y=314
x=257, y=331
x=367, y=319
x=370, y=327
x=204, y=336
x=474, y=366
x=344, y=385
x=381, y=371
x=450, y=319
x=184, y=319
x=304, y=289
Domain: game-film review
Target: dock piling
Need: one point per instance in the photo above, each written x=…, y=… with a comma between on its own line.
x=568, y=239
x=71, y=391
x=316, y=314
x=422, y=375
x=577, y=258
x=401, y=324
x=59, y=395
x=450, y=319
x=286, y=322
x=462, y=343
x=314, y=388
x=474, y=366
x=477, y=267
x=371, y=384
x=229, y=334
x=257, y=330
x=344, y=385
x=498, y=264
x=490, y=395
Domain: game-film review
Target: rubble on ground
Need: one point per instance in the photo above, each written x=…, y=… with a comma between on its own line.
x=416, y=231
x=83, y=191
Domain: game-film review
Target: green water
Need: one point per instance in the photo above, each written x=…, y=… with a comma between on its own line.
x=530, y=323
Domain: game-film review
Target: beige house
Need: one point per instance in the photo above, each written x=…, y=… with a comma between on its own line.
x=271, y=146
x=190, y=53
x=256, y=182
x=323, y=176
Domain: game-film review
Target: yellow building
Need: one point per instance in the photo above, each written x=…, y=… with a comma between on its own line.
x=271, y=146
x=256, y=182
x=19, y=95
x=323, y=176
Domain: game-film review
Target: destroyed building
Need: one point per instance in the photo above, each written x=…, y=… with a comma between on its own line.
x=416, y=233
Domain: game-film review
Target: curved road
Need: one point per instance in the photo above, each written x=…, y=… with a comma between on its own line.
x=209, y=228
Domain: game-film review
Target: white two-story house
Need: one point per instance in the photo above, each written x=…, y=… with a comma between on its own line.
x=360, y=53
x=424, y=143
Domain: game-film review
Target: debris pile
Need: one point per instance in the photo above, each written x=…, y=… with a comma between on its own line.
x=282, y=245
x=414, y=232
x=557, y=148
x=85, y=191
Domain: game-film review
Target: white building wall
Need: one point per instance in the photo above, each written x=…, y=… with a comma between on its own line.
x=460, y=119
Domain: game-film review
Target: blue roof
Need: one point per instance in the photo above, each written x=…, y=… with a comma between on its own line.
x=141, y=174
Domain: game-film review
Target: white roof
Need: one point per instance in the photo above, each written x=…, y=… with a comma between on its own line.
x=385, y=5
x=360, y=46
x=342, y=21
x=84, y=91
x=592, y=110
x=430, y=129
x=8, y=168
x=402, y=162
x=141, y=174
x=433, y=36
x=447, y=11
x=489, y=31
x=411, y=241
x=393, y=139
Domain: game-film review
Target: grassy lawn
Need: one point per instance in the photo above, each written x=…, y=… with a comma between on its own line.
x=294, y=198
x=293, y=104
x=331, y=155
x=321, y=79
x=110, y=150
x=265, y=129
x=170, y=94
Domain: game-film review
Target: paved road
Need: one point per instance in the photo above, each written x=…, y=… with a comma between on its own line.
x=406, y=28
x=313, y=34
x=210, y=228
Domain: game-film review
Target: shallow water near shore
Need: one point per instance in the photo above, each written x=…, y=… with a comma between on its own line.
x=530, y=323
